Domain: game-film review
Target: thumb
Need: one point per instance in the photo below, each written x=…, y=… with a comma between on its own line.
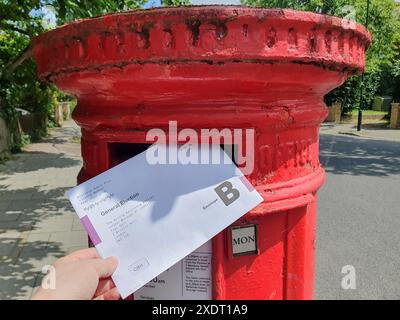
x=105, y=267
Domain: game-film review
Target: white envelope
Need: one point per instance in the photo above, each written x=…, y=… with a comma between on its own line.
x=150, y=216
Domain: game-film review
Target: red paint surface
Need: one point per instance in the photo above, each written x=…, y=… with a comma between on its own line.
x=217, y=67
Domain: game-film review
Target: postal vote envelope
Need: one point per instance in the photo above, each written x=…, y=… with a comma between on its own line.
x=151, y=215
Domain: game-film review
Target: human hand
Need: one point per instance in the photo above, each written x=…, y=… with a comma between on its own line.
x=82, y=275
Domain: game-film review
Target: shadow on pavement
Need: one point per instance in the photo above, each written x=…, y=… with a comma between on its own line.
x=21, y=268
x=25, y=214
x=25, y=247
x=43, y=160
x=36, y=220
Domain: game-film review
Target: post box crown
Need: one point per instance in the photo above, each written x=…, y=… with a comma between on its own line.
x=208, y=34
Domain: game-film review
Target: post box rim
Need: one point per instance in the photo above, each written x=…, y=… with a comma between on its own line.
x=296, y=15
x=65, y=49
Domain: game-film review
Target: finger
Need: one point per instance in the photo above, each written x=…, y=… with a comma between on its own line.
x=104, y=267
x=90, y=253
x=112, y=294
x=104, y=286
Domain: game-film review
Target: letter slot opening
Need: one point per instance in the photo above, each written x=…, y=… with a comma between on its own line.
x=232, y=151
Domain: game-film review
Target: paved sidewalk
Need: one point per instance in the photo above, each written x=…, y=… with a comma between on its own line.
x=376, y=131
x=37, y=223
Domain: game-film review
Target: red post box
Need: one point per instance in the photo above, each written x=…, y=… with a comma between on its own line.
x=217, y=67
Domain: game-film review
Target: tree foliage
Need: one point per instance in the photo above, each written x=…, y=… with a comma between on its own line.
x=73, y=9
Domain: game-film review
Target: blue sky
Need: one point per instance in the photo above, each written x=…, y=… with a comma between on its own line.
x=152, y=4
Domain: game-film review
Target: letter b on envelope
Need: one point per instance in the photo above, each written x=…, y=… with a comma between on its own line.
x=227, y=193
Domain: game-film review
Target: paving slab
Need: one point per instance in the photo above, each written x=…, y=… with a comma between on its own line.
x=69, y=239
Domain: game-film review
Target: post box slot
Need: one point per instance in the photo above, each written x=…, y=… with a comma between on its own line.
x=232, y=151
x=121, y=151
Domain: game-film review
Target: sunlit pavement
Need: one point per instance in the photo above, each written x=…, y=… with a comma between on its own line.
x=37, y=224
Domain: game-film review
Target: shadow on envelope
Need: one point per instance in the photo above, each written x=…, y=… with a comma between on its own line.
x=205, y=161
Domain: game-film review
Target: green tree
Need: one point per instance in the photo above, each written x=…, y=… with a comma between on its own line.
x=321, y=6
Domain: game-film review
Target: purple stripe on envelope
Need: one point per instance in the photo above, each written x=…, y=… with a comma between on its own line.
x=90, y=230
x=247, y=184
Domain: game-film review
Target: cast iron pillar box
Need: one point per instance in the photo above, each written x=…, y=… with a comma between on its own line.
x=217, y=67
